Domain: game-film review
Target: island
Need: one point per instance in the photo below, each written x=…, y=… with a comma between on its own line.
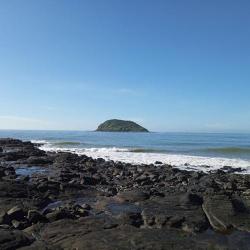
x=116, y=125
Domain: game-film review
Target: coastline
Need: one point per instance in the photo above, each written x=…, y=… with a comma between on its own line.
x=61, y=200
x=139, y=156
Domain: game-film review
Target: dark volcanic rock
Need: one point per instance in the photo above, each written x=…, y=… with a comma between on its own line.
x=171, y=211
x=85, y=203
x=16, y=213
x=191, y=198
x=101, y=233
x=34, y=217
x=225, y=213
x=218, y=210
x=133, y=196
x=4, y=218
x=13, y=239
x=229, y=169
x=38, y=160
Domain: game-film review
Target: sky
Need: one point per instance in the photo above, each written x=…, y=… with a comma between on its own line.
x=171, y=65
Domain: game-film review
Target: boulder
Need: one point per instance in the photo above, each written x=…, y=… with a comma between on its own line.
x=34, y=217
x=13, y=239
x=169, y=211
x=59, y=215
x=38, y=160
x=16, y=213
x=4, y=218
x=225, y=212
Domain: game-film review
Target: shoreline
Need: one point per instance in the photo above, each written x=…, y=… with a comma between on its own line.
x=129, y=155
x=62, y=201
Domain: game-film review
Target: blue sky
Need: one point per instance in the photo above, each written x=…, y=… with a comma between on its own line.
x=169, y=65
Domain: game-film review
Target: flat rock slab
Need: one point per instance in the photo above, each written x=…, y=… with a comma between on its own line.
x=13, y=239
x=225, y=213
x=171, y=211
x=104, y=234
x=132, y=196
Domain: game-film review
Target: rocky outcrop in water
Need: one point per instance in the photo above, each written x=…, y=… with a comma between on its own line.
x=116, y=125
x=66, y=201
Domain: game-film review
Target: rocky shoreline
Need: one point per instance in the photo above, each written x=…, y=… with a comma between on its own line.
x=65, y=201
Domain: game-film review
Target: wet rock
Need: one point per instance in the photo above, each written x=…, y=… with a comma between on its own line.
x=10, y=141
x=158, y=162
x=170, y=212
x=4, y=218
x=176, y=221
x=24, y=178
x=86, y=206
x=14, y=156
x=111, y=191
x=241, y=218
x=12, y=189
x=16, y=213
x=102, y=234
x=64, y=159
x=36, y=160
x=19, y=224
x=90, y=180
x=13, y=239
x=34, y=217
x=9, y=171
x=231, y=170
x=131, y=218
x=2, y=172
x=132, y=196
x=191, y=198
x=79, y=211
x=59, y=215
x=219, y=209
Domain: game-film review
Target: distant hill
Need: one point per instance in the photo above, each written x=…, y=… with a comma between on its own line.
x=116, y=125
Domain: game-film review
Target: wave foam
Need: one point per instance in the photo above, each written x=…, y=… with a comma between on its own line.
x=187, y=162
x=39, y=141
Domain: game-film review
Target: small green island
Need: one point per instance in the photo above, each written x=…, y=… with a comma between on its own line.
x=115, y=125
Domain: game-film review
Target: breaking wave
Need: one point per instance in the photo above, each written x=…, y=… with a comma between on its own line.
x=140, y=156
x=229, y=150
x=67, y=143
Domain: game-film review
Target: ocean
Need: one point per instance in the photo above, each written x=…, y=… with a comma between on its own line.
x=191, y=151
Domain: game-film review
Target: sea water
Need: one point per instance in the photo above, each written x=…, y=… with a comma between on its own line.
x=191, y=151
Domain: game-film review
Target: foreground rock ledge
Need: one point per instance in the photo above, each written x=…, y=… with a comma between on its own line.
x=66, y=201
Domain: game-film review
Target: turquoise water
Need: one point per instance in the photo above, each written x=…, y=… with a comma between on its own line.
x=214, y=149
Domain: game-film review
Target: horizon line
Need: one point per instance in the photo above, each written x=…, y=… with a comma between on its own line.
x=88, y=130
